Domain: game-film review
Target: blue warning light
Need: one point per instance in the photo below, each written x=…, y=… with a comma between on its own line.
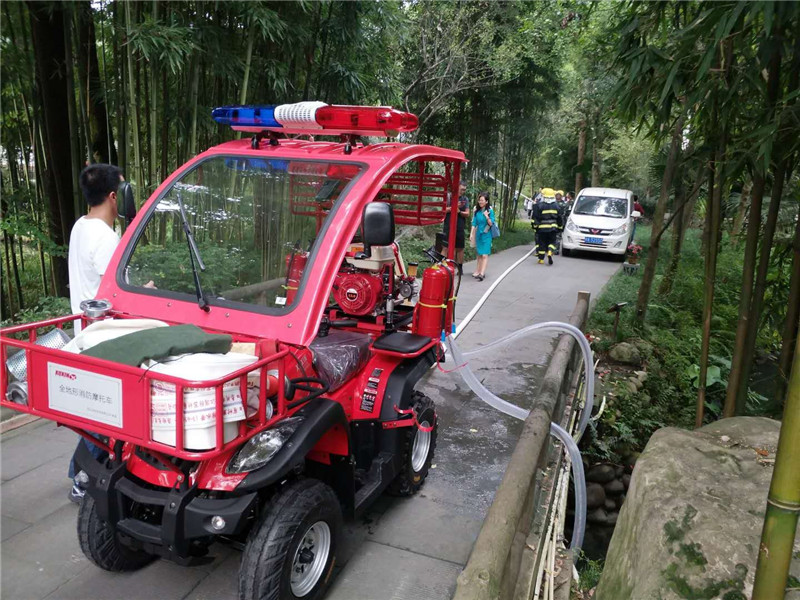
x=246, y=116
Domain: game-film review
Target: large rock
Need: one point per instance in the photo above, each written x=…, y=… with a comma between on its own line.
x=602, y=473
x=625, y=353
x=595, y=495
x=691, y=523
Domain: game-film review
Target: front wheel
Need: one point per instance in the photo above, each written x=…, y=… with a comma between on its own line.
x=100, y=544
x=418, y=447
x=566, y=252
x=290, y=554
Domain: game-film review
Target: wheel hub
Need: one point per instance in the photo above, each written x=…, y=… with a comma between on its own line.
x=310, y=558
x=421, y=447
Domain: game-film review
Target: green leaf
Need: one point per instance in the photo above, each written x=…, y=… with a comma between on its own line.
x=769, y=14
x=706, y=63
x=668, y=85
x=713, y=375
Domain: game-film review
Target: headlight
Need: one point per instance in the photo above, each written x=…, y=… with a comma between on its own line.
x=621, y=229
x=260, y=449
x=572, y=227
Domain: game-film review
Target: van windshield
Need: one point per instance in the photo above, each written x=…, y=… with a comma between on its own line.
x=253, y=220
x=602, y=206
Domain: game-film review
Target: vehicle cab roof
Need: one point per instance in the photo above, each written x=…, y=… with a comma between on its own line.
x=610, y=192
x=299, y=325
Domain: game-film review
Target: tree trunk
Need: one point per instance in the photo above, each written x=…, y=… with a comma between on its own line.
x=713, y=230
x=677, y=238
x=745, y=297
x=782, y=159
x=311, y=51
x=757, y=303
x=195, y=94
x=73, y=115
x=153, y=118
x=47, y=31
x=790, y=329
x=658, y=219
x=741, y=212
x=581, y=155
x=120, y=74
x=251, y=38
x=596, y=151
x=164, y=128
x=710, y=250
x=682, y=219
x=102, y=133
x=10, y=290
x=137, y=156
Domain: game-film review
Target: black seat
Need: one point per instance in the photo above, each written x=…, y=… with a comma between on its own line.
x=401, y=342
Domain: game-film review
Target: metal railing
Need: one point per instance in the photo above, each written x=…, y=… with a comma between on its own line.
x=510, y=546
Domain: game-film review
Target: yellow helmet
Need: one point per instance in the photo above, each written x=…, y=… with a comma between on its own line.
x=548, y=193
x=560, y=192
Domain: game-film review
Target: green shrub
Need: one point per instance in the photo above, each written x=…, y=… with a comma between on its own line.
x=674, y=327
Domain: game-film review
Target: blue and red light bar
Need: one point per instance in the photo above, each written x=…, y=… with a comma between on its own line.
x=317, y=117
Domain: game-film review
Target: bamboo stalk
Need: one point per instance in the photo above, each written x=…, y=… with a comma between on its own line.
x=137, y=167
x=783, y=502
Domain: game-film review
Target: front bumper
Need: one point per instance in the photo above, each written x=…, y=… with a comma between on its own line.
x=610, y=244
x=185, y=528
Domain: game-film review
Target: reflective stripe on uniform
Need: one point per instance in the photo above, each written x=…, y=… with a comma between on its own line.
x=548, y=226
x=549, y=212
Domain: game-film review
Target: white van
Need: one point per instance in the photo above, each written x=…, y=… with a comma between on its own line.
x=601, y=220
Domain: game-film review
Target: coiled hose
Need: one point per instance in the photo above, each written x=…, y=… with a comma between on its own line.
x=517, y=412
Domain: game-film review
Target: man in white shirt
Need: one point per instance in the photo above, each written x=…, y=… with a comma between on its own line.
x=93, y=239
x=91, y=246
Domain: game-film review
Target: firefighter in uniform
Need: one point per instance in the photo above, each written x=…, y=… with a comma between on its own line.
x=547, y=221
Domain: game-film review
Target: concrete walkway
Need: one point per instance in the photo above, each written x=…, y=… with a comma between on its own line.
x=402, y=549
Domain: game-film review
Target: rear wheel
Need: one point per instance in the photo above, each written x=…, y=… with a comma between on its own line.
x=101, y=545
x=418, y=448
x=290, y=554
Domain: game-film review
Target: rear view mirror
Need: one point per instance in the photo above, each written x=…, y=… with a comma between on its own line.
x=126, y=205
x=378, y=223
x=636, y=214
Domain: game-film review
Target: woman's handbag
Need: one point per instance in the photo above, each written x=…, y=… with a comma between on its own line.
x=472, y=238
x=495, y=231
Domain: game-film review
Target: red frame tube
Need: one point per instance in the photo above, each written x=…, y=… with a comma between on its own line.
x=140, y=431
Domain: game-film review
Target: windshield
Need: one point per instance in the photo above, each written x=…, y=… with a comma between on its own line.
x=601, y=206
x=254, y=222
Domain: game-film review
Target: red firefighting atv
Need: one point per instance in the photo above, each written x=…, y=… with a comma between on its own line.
x=286, y=244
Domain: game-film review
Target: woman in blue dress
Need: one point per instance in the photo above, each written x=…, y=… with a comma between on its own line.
x=482, y=221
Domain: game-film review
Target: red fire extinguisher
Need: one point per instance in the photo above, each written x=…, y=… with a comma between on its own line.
x=295, y=265
x=434, y=313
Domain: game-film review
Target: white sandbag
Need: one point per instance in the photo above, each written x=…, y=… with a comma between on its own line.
x=199, y=416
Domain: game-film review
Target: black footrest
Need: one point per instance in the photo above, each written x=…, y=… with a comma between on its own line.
x=139, y=530
x=380, y=474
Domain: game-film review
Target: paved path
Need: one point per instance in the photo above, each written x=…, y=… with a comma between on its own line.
x=402, y=549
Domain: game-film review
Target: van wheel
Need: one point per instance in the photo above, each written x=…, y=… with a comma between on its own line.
x=99, y=542
x=566, y=252
x=290, y=554
x=418, y=448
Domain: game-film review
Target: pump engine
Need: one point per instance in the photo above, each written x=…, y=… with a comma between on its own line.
x=370, y=285
x=357, y=292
